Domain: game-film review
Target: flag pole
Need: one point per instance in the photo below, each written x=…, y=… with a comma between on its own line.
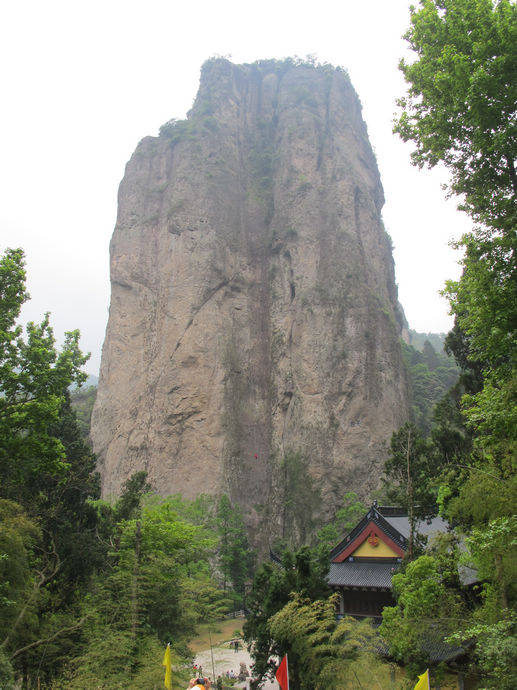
x=211, y=651
x=287, y=667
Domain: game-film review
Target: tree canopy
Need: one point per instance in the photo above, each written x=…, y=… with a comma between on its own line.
x=304, y=572
x=34, y=377
x=460, y=109
x=461, y=99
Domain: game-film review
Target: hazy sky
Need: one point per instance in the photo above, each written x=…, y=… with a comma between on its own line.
x=82, y=82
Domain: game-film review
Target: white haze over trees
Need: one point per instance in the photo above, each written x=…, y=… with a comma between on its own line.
x=82, y=83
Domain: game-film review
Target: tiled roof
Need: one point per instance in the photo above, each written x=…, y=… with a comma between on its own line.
x=439, y=651
x=432, y=646
x=376, y=517
x=361, y=574
x=424, y=527
x=394, y=524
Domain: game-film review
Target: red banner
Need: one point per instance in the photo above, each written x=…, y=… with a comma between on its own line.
x=282, y=674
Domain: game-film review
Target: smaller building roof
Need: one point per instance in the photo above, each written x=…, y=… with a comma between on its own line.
x=425, y=527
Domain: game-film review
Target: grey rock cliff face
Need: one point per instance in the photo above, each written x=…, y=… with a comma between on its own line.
x=254, y=308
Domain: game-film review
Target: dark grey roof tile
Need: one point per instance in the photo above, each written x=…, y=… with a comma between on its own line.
x=361, y=574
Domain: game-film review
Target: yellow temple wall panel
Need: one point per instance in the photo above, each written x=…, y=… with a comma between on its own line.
x=367, y=550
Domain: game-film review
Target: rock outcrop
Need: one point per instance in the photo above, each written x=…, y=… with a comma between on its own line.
x=254, y=307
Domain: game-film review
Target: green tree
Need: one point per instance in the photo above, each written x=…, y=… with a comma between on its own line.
x=236, y=559
x=63, y=506
x=460, y=104
x=325, y=652
x=458, y=344
x=34, y=377
x=129, y=505
x=66, y=555
x=6, y=671
x=19, y=537
x=492, y=550
x=409, y=471
x=483, y=301
x=346, y=518
x=303, y=572
x=146, y=594
x=47, y=470
x=496, y=651
x=460, y=109
x=200, y=511
x=429, y=607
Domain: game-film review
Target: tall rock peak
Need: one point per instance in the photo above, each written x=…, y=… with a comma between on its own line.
x=254, y=310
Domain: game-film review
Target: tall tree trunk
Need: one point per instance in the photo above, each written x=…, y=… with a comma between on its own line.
x=503, y=595
x=134, y=583
x=411, y=510
x=284, y=511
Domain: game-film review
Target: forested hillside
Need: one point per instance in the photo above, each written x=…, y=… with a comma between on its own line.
x=432, y=373
x=82, y=401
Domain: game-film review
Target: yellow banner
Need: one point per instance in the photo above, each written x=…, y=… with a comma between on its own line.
x=167, y=663
x=423, y=681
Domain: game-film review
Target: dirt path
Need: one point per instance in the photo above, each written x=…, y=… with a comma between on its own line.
x=225, y=659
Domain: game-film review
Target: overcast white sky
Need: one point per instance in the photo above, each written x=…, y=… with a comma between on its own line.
x=82, y=82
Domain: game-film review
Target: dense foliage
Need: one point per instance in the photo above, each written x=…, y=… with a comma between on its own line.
x=460, y=104
x=33, y=379
x=325, y=652
x=303, y=571
x=460, y=110
x=236, y=559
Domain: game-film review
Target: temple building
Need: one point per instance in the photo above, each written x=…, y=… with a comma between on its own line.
x=363, y=563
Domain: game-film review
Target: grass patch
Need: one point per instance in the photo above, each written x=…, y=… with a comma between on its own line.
x=220, y=632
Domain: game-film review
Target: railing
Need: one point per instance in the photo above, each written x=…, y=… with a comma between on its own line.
x=241, y=613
